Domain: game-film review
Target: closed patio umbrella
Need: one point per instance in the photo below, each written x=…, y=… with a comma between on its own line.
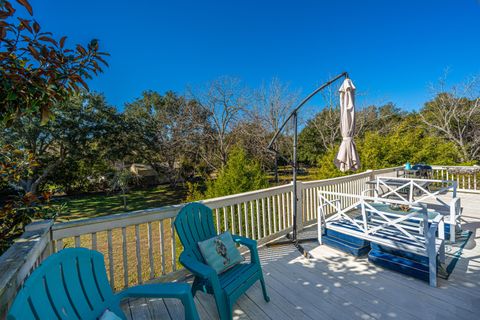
x=347, y=157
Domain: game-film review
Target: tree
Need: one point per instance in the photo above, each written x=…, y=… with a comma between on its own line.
x=320, y=134
x=455, y=115
x=20, y=208
x=39, y=72
x=121, y=180
x=381, y=119
x=408, y=141
x=271, y=107
x=240, y=174
x=166, y=131
x=223, y=100
x=73, y=144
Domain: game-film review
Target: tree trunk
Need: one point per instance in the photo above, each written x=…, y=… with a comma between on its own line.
x=276, y=168
x=124, y=199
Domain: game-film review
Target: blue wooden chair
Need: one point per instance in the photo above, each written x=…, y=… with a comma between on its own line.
x=73, y=284
x=194, y=223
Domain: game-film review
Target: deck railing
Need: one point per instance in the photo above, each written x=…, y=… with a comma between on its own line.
x=467, y=177
x=141, y=246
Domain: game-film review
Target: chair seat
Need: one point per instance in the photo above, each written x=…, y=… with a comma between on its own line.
x=233, y=278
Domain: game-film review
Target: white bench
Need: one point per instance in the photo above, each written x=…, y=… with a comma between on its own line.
x=364, y=218
x=419, y=194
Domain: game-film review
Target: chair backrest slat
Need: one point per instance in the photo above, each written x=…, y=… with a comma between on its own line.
x=85, y=268
x=100, y=274
x=194, y=223
x=74, y=288
x=63, y=304
x=40, y=302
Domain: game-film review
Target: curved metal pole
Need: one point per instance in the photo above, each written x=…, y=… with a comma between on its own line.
x=294, y=115
x=297, y=108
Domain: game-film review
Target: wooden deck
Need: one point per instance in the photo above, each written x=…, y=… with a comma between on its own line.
x=334, y=285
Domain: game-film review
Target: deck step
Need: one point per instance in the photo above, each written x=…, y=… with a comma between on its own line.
x=400, y=261
x=346, y=243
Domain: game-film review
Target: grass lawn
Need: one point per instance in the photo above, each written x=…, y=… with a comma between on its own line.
x=285, y=174
x=101, y=204
x=95, y=205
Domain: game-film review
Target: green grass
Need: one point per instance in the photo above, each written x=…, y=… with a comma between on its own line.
x=95, y=205
x=285, y=174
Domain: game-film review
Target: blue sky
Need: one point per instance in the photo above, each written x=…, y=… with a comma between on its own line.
x=392, y=50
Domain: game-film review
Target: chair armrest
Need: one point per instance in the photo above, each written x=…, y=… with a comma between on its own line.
x=250, y=244
x=156, y=290
x=196, y=267
x=181, y=291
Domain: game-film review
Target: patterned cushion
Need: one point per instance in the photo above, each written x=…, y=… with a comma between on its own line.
x=220, y=252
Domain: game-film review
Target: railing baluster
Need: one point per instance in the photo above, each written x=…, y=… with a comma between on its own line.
x=252, y=219
x=77, y=241
x=245, y=207
x=264, y=215
x=257, y=203
x=125, y=257
x=174, y=246
x=150, y=250
x=269, y=211
x=162, y=245
x=287, y=195
x=217, y=216
x=111, y=266
x=94, y=241
x=284, y=214
x=138, y=253
x=232, y=219
x=225, y=219
x=274, y=205
x=239, y=213
x=59, y=244
x=307, y=204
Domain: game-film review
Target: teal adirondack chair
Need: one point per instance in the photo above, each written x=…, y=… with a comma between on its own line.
x=194, y=223
x=73, y=284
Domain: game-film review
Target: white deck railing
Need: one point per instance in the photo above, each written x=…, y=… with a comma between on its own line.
x=140, y=246
x=468, y=179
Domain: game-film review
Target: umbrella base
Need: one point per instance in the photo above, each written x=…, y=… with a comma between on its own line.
x=295, y=242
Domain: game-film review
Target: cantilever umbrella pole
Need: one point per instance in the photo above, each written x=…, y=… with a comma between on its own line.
x=294, y=115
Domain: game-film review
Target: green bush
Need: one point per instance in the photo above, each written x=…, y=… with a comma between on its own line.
x=408, y=141
x=239, y=175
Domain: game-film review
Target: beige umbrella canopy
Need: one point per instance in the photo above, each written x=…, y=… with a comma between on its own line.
x=347, y=157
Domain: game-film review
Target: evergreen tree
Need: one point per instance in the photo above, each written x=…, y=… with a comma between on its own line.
x=239, y=175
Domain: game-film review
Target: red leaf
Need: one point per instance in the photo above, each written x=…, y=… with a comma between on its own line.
x=33, y=52
x=36, y=27
x=27, y=6
x=48, y=39
x=26, y=24
x=81, y=49
x=62, y=41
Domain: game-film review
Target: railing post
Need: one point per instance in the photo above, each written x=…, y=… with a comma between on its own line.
x=299, y=204
x=19, y=260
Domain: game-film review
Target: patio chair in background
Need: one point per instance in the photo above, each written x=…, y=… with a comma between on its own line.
x=194, y=223
x=73, y=284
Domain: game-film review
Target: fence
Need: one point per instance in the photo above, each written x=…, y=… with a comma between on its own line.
x=467, y=178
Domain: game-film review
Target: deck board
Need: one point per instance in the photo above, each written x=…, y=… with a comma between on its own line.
x=334, y=285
